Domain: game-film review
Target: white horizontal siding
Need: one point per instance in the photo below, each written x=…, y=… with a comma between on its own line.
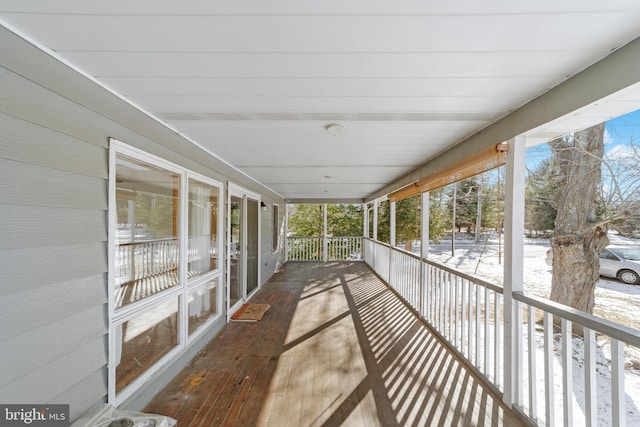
x=30, y=268
x=46, y=382
x=34, y=103
x=86, y=394
x=36, y=226
x=53, y=248
x=37, y=347
x=25, y=184
x=27, y=142
x=36, y=308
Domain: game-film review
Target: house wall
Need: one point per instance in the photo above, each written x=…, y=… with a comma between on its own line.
x=54, y=146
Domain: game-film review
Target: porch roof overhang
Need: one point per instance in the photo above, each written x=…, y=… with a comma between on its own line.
x=417, y=86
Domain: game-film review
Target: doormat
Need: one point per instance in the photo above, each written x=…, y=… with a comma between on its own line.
x=250, y=312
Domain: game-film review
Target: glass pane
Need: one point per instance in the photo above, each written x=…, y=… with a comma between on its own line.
x=235, y=251
x=145, y=339
x=203, y=302
x=203, y=228
x=276, y=229
x=147, y=200
x=252, y=244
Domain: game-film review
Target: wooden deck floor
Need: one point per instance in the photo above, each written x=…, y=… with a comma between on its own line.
x=336, y=347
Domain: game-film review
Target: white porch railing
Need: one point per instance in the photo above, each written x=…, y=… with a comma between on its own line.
x=324, y=249
x=560, y=378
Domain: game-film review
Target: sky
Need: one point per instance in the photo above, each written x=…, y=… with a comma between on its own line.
x=620, y=133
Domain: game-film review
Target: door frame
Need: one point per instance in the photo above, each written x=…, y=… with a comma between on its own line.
x=235, y=190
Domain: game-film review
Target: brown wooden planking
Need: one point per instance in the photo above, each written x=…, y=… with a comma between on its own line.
x=309, y=362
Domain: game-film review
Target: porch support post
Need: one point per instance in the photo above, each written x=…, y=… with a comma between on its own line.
x=375, y=219
x=366, y=220
x=392, y=225
x=513, y=269
x=286, y=232
x=424, y=224
x=325, y=239
x=424, y=251
x=392, y=241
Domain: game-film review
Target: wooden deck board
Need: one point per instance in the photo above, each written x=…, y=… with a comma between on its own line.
x=336, y=348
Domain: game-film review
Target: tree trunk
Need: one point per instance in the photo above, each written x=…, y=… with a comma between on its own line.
x=577, y=241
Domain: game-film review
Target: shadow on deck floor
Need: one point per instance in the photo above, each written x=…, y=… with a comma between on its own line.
x=337, y=347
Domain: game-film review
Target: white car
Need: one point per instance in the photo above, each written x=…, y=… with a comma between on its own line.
x=620, y=262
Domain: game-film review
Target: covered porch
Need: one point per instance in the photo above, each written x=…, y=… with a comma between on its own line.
x=337, y=347
x=227, y=113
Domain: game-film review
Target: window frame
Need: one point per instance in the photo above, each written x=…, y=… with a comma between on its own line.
x=180, y=291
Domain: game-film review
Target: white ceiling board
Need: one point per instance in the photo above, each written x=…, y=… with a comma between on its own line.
x=196, y=104
x=326, y=33
x=133, y=87
x=532, y=64
x=255, y=83
x=373, y=7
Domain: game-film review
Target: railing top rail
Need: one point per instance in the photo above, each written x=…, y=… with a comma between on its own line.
x=321, y=237
x=142, y=242
x=606, y=327
x=469, y=277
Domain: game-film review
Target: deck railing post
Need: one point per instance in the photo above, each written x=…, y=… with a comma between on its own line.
x=513, y=269
x=325, y=239
x=392, y=243
x=286, y=234
x=424, y=248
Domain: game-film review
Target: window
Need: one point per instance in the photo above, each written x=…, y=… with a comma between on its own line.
x=202, y=304
x=203, y=228
x=147, y=249
x=275, y=228
x=146, y=338
x=165, y=281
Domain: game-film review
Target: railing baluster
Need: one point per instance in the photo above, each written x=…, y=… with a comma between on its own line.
x=470, y=319
x=447, y=311
x=478, y=328
x=548, y=370
x=533, y=404
x=567, y=374
x=456, y=320
x=590, y=410
x=617, y=383
x=463, y=317
x=487, y=346
x=498, y=339
x=517, y=355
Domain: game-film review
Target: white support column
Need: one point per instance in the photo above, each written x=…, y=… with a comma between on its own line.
x=325, y=240
x=424, y=251
x=366, y=219
x=424, y=224
x=375, y=220
x=286, y=232
x=513, y=268
x=392, y=225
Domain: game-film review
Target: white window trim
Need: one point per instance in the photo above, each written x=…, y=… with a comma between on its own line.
x=213, y=274
x=180, y=291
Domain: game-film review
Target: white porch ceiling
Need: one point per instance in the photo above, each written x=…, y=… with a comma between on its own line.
x=255, y=83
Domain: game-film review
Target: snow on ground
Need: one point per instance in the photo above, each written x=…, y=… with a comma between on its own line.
x=615, y=301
